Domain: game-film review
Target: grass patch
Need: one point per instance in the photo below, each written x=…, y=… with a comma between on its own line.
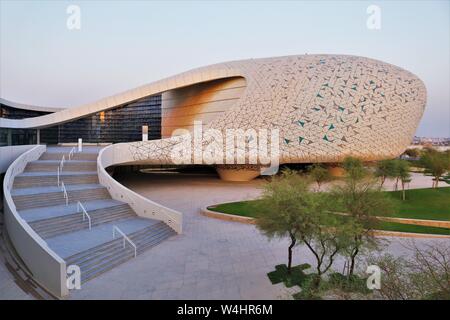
x=336, y=281
x=428, y=204
x=241, y=208
x=401, y=227
x=296, y=278
x=352, y=283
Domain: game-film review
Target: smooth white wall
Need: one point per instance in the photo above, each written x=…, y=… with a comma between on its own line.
x=10, y=153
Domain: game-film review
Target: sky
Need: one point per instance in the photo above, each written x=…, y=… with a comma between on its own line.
x=124, y=44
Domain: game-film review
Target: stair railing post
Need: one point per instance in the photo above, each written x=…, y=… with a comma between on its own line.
x=85, y=213
x=66, y=196
x=125, y=238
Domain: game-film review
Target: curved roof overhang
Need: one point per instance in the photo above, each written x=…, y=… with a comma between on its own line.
x=29, y=107
x=195, y=76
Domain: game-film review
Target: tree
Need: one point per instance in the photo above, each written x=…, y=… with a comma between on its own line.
x=435, y=163
x=385, y=169
x=354, y=168
x=326, y=235
x=413, y=153
x=282, y=209
x=402, y=172
x=319, y=174
x=361, y=198
x=425, y=275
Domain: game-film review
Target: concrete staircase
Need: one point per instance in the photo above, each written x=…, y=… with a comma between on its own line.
x=41, y=203
x=104, y=257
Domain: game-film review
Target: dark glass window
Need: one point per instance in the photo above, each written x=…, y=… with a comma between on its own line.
x=15, y=113
x=18, y=136
x=120, y=124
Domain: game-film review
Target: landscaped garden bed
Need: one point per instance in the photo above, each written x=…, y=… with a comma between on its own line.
x=427, y=204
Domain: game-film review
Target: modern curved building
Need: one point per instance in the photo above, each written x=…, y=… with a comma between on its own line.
x=63, y=209
x=325, y=108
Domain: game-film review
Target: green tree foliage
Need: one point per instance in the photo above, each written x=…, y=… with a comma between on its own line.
x=326, y=235
x=403, y=174
x=354, y=168
x=288, y=208
x=385, y=169
x=435, y=163
x=361, y=198
x=285, y=204
x=413, y=153
x=425, y=275
x=319, y=174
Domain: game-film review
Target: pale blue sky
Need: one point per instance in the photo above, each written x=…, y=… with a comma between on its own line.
x=125, y=44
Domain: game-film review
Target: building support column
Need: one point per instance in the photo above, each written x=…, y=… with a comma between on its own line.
x=9, y=138
x=38, y=136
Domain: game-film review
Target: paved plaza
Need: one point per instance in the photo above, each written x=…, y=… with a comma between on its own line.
x=212, y=259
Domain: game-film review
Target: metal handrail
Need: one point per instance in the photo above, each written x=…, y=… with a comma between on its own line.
x=72, y=151
x=61, y=163
x=80, y=205
x=116, y=228
x=66, y=196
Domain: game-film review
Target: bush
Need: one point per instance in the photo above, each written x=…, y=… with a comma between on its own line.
x=352, y=283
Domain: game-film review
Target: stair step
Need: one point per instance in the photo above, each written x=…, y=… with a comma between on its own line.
x=23, y=181
x=120, y=255
x=69, y=165
x=75, y=156
x=74, y=222
x=94, y=214
x=28, y=201
x=35, y=214
x=111, y=250
x=80, y=226
x=104, y=246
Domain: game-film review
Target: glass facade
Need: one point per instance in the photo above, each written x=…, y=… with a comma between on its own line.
x=120, y=124
x=18, y=136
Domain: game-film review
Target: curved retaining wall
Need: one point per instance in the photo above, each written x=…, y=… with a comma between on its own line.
x=10, y=153
x=46, y=267
x=118, y=154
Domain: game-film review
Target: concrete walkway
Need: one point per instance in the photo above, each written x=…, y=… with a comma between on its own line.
x=9, y=290
x=212, y=259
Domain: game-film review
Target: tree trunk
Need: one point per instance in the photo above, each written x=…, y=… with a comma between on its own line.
x=383, y=178
x=316, y=281
x=353, y=258
x=403, y=191
x=293, y=241
x=436, y=182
